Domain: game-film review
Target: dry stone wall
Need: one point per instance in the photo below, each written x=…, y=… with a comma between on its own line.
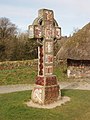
x=78, y=72
x=17, y=64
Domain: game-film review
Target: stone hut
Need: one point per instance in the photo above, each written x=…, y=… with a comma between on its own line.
x=76, y=52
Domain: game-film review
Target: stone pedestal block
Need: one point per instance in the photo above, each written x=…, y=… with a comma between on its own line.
x=46, y=80
x=46, y=90
x=51, y=94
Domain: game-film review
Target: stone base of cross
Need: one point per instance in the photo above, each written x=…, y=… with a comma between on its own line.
x=46, y=90
x=46, y=31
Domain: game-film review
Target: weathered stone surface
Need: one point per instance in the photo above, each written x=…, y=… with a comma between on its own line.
x=51, y=94
x=46, y=32
x=78, y=68
x=46, y=80
x=45, y=94
x=59, y=102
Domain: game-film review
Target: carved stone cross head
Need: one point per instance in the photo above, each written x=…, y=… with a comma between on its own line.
x=46, y=31
x=46, y=27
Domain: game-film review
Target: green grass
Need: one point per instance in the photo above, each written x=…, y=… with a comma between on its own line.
x=12, y=107
x=60, y=72
x=26, y=75
x=23, y=75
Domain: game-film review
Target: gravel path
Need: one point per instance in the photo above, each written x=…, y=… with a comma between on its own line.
x=75, y=85
x=63, y=85
x=15, y=88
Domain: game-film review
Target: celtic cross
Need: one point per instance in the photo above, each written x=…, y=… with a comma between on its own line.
x=46, y=31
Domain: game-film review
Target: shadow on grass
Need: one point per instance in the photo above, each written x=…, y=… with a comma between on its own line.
x=64, y=92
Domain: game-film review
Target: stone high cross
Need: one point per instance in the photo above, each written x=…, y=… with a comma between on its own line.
x=46, y=31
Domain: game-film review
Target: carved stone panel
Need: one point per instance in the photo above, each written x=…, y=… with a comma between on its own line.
x=48, y=70
x=48, y=15
x=38, y=31
x=37, y=95
x=48, y=58
x=31, y=31
x=57, y=33
x=48, y=47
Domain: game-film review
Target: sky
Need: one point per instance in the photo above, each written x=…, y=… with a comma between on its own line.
x=70, y=14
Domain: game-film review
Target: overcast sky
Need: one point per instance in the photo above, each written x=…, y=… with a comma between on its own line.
x=69, y=14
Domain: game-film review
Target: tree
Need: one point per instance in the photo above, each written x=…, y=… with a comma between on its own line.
x=24, y=49
x=27, y=48
x=7, y=29
x=8, y=33
x=31, y=49
x=15, y=45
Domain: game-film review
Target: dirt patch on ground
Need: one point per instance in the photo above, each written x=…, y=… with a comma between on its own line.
x=63, y=100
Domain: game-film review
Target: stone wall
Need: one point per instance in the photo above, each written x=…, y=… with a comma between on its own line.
x=78, y=71
x=16, y=64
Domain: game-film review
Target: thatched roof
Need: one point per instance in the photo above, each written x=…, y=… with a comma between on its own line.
x=78, y=46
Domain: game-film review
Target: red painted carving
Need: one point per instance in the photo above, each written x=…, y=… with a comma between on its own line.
x=41, y=61
x=51, y=80
x=51, y=93
x=40, y=80
x=38, y=32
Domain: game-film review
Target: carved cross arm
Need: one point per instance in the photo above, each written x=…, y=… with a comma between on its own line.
x=35, y=31
x=57, y=33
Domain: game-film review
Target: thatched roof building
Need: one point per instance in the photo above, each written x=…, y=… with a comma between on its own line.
x=77, y=47
x=76, y=50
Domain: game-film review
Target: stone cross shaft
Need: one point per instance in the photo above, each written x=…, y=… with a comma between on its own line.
x=46, y=31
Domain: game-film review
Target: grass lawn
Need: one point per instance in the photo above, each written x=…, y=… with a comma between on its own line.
x=25, y=75
x=22, y=75
x=12, y=107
